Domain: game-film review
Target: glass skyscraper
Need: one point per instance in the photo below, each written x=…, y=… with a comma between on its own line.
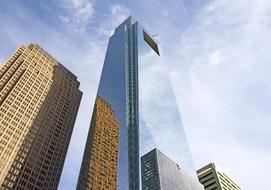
x=136, y=88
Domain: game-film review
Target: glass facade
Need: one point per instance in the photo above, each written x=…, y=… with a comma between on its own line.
x=160, y=123
x=161, y=173
x=101, y=154
x=136, y=84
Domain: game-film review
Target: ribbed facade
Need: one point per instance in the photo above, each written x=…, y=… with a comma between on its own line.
x=215, y=179
x=39, y=100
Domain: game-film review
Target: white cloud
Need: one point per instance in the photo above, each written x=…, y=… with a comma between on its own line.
x=79, y=14
x=118, y=13
x=215, y=58
x=225, y=96
x=64, y=19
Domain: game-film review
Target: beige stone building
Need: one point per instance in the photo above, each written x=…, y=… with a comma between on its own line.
x=213, y=178
x=39, y=100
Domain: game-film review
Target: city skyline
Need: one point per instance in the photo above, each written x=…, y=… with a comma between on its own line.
x=217, y=56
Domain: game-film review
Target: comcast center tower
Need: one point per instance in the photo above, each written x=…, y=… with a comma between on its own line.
x=135, y=111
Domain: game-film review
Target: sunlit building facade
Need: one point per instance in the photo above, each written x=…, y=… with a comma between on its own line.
x=136, y=84
x=214, y=178
x=39, y=100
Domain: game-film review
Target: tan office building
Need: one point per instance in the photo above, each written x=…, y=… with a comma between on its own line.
x=212, y=178
x=39, y=100
x=100, y=161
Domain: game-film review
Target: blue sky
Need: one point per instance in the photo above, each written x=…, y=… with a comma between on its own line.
x=217, y=52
